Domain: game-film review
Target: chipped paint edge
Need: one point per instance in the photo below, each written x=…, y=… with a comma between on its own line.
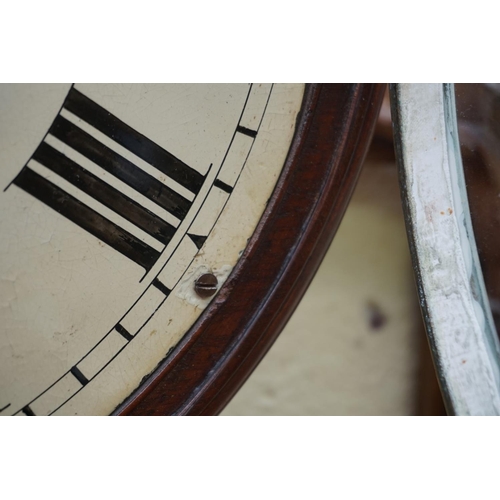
x=449, y=278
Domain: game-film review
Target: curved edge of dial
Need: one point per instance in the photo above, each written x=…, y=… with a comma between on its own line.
x=217, y=355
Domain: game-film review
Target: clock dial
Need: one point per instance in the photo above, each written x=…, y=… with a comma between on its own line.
x=116, y=199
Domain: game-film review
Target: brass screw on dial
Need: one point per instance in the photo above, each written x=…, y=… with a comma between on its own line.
x=206, y=285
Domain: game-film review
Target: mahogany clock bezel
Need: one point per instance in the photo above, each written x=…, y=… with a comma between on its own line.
x=220, y=351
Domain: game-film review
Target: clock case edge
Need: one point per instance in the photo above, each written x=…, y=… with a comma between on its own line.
x=216, y=356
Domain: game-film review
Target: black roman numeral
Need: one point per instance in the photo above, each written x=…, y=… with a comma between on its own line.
x=87, y=218
x=140, y=145
x=118, y=166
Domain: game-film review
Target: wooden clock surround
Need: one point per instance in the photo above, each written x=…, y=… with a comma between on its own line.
x=220, y=351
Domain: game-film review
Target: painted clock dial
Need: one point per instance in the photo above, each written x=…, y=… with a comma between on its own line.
x=115, y=199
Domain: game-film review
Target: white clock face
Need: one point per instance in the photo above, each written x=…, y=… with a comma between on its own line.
x=114, y=200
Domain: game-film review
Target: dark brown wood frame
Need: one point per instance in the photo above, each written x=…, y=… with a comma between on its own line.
x=213, y=360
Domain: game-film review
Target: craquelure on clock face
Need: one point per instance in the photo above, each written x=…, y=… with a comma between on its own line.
x=116, y=198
